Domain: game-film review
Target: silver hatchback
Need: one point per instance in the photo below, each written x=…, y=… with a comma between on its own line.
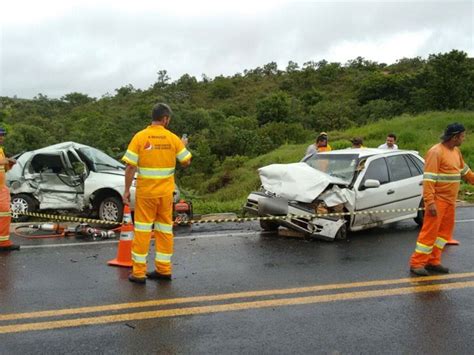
x=68, y=176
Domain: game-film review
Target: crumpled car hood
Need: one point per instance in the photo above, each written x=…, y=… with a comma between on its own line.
x=296, y=182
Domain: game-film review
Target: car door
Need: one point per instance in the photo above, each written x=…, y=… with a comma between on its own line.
x=371, y=199
x=406, y=181
x=56, y=187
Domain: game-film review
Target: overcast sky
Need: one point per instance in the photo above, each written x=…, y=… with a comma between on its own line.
x=94, y=47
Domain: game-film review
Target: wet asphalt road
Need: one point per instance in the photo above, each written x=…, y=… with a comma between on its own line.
x=301, y=308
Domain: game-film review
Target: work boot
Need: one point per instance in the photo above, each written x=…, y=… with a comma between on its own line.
x=419, y=271
x=10, y=247
x=155, y=275
x=437, y=268
x=138, y=280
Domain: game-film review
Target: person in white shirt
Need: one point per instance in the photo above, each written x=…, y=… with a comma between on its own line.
x=390, y=142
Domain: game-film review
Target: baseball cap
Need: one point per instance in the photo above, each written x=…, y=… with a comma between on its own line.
x=451, y=130
x=356, y=140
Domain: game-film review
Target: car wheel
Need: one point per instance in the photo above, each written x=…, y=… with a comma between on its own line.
x=341, y=233
x=111, y=209
x=420, y=215
x=22, y=203
x=268, y=225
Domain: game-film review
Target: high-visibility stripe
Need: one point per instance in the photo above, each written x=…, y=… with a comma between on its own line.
x=423, y=249
x=2, y=169
x=139, y=258
x=442, y=177
x=5, y=214
x=155, y=173
x=465, y=170
x=128, y=235
x=440, y=243
x=163, y=258
x=130, y=157
x=143, y=227
x=183, y=155
x=164, y=228
x=4, y=238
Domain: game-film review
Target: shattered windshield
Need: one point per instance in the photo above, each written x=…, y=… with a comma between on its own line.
x=98, y=160
x=341, y=166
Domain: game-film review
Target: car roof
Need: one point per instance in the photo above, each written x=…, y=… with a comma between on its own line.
x=367, y=152
x=63, y=145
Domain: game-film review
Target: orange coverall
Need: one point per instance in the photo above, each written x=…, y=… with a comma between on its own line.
x=5, y=216
x=154, y=151
x=444, y=169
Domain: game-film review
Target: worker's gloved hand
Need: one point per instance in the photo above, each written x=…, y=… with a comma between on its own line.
x=432, y=210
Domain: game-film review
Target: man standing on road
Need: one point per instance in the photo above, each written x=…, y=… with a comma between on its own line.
x=389, y=142
x=153, y=153
x=444, y=169
x=5, y=215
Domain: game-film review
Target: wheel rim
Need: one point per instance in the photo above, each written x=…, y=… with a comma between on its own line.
x=19, y=205
x=109, y=211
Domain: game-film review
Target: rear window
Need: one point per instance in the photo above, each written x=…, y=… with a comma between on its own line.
x=398, y=168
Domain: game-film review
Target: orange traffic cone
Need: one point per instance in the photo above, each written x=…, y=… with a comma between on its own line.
x=124, y=253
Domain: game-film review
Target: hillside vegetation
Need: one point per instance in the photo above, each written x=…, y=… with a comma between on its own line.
x=243, y=119
x=418, y=133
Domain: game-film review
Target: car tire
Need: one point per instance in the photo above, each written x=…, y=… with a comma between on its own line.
x=269, y=226
x=341, y=233
x=23, y=203
x=420, y=215
x=111, y=209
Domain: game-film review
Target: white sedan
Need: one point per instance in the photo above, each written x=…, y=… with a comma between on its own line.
x=357, y=183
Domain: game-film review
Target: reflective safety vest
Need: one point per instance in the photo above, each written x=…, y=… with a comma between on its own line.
x=154, y=151
x=3, y=169
x=444, y=169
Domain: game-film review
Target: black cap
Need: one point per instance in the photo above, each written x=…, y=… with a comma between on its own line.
x=357, y=141
x=451, y=130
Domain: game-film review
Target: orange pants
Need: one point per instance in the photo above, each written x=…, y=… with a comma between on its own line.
x=153, y=214
x=434, y=234
x=5, y=217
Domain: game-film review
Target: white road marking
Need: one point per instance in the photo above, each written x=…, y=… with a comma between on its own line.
x=221, y=235
x=197, y=236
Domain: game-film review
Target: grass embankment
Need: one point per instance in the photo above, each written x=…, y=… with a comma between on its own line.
x=414, y=133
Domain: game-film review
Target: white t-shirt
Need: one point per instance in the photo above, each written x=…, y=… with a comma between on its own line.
x=311, y=149
x=385, y=146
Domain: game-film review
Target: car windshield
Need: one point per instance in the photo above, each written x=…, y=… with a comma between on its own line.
x=341, y=166
x=99, y=160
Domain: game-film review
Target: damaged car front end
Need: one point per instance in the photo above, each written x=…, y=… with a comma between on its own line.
x=328, y=194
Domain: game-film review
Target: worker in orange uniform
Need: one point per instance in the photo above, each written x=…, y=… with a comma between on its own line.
x=444, y=169
x=5, y=215
x=321, y=145
x=152, y=153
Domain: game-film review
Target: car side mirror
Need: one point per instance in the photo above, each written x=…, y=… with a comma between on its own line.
x=371, y=184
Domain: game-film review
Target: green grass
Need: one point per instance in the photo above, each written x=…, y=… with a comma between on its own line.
x=414, y=132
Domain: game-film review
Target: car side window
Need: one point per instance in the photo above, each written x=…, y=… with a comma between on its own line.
x=377, y=170
x=413, y=168
x=418, y=163
x=398, y=168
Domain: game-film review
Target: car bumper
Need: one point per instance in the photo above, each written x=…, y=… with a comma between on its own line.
x=293, y=217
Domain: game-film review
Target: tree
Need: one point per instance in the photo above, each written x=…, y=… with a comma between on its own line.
x=274, y=107
x=450, y=78
x=76, y=99
x=162, y=80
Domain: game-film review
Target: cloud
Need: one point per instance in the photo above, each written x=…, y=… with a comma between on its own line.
x=95, y=48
